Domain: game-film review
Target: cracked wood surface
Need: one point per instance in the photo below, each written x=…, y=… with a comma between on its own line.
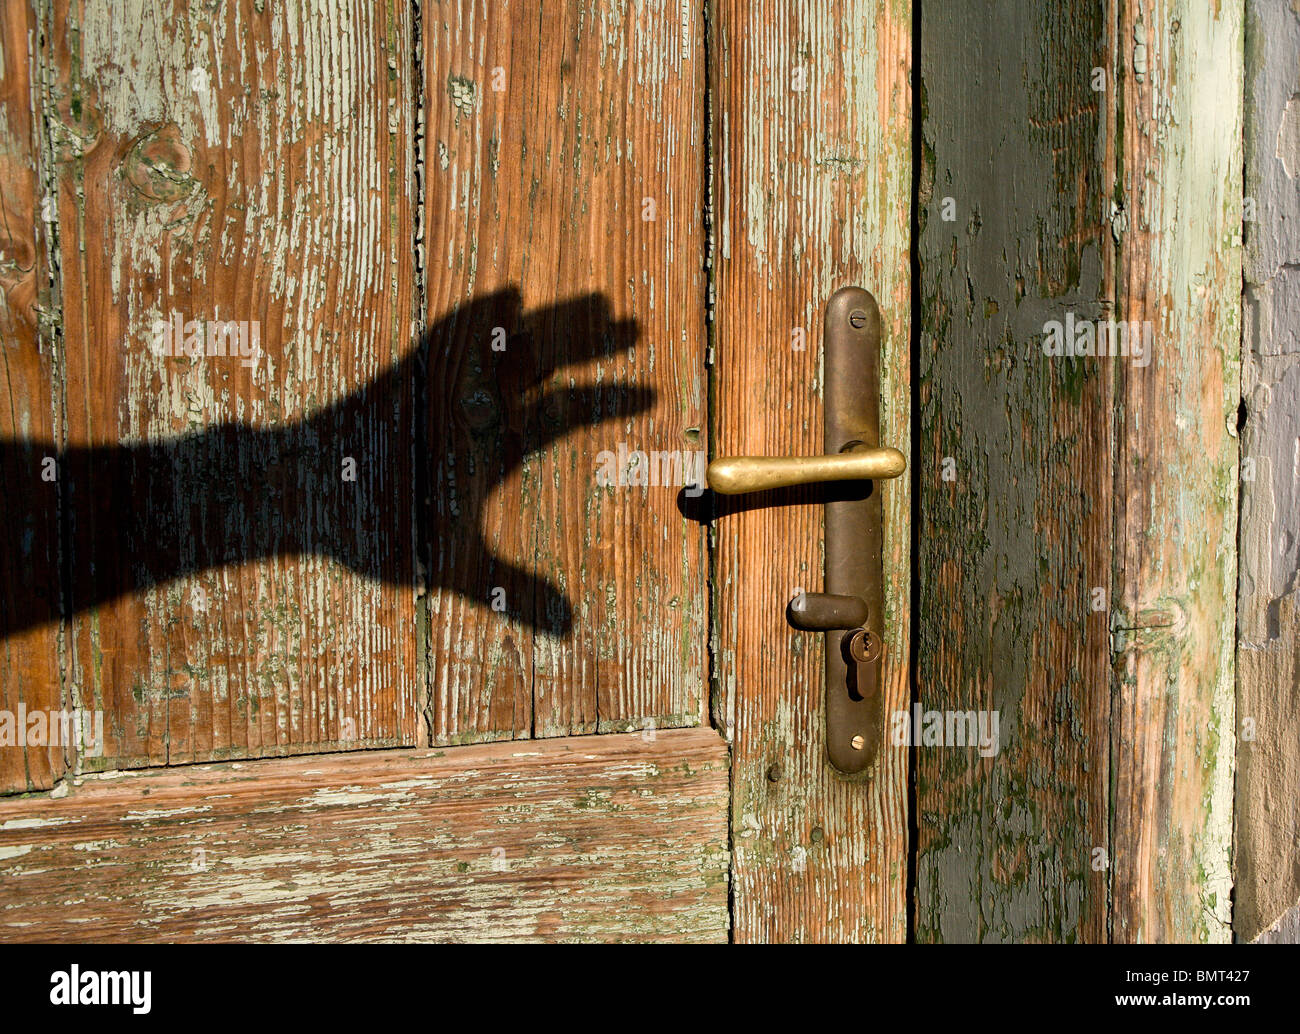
x=596, y=838
x=1011, y=544
x=277, y=181
x=1107, y=812
x=811, y=173
x=259, y=163
x=248, y=162
x=1178, y=264
x=30, y=661
x=564, y=157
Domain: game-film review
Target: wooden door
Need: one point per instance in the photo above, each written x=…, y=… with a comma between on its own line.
x=812, y=175
x=359, y=360
x=404, y=618
x=403, y=615
x=1077, y=543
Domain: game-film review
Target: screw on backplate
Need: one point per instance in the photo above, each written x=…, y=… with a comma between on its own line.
x=857, y=319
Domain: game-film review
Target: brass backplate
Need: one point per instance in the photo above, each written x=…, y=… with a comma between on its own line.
x=855, y=706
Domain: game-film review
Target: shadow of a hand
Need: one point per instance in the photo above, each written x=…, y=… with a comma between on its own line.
x=395, y=480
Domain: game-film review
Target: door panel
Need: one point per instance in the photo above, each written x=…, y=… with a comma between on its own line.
x=812, y=186
x=29, y=577
x=249, y=163
x=564, y=170
x=474, y=251
x=594, y=838
x=1180, y=268
x=1077, y=572
x=454, y=498
x=1017, y=533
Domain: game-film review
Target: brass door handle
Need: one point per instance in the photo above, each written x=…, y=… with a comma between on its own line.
x=732, y=475
x=851, y=610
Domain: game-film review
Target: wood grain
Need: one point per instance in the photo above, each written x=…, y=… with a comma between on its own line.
x=1015, y=475
x=1179, y=265
x=601, y=838
x=248, y=162
x=811, y=173
x=546, y=139
x=1106, y=813
x=29, y=660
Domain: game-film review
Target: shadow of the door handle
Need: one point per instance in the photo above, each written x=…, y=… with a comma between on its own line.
x=708, y=505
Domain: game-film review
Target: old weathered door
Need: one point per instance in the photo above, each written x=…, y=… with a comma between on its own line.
x=362, y=362
x=811, y=178
x=1076, y=554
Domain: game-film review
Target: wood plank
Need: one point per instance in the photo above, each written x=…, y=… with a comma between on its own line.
x=29, y=575
x=1266, y=901
x=548, y=139
x=812, y=182
x=1015, y=474
x=1179, y=265
x=1080, y=479
x=235, y=595
x=590, y=839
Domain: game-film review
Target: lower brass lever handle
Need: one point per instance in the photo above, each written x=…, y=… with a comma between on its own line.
x=732, y=475
x=824, y=612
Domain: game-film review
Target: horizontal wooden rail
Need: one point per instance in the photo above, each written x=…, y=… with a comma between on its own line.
x=585, y=838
